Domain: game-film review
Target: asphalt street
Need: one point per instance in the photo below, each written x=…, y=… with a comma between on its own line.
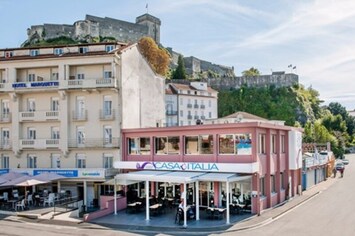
x=332, y=212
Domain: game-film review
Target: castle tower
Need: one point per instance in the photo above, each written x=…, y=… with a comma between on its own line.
x=153, y=23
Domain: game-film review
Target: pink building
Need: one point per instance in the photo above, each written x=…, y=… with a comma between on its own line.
x=257, y=164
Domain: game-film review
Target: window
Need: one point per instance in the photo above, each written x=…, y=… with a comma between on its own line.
x=209, y=114
x=31, y=161
x=109, y=48
x=282, y=181
x=80, y=161
x=55, y=133
x=4, y=162
x=283, y=143
x=262, y=144
x=181, y=123
x=5, y=108
x=181, y=101
x=140, y=146
x=55, y=76
x=238, y=144
x=58, y=51
x=167, y=145
x=226, y=144
x=80, y=107
x=34, y=52
x=31, y=77
x=273, y=183
x=107, y=134
x=55, y=160
x=108, y=161
x=273, y=143
x=189, y=122
x=107, y=74
x=80, y=132
x=54, y=104
x=5, y=137
x=209, y=103
x=80, y=76
x=202, y=144
x=31, y=105
x=188, y=92
x=181, y=113
x=262, y=186
x=9, y=54
x=107, y=106
x=31, y=133
x=83, y=50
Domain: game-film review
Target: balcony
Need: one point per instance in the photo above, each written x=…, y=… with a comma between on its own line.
x=5, y=117
x=5, y=145
x=39, y=143
x=202, y=106
x=5, y=87
x=88, y=83
x=189, y=105
x=171, y=124
x=203, y=117
x=171, y=113
x=38, y=115
x=195, y=105
x=80, y=116
x=107, y=114
x=189, y=117
x=94, y=143
x=196, y=117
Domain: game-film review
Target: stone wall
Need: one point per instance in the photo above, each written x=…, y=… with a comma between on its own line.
x=94, y=26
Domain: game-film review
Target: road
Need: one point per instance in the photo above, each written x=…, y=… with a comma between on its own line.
x=330, y=213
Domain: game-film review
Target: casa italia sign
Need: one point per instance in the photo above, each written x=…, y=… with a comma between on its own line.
x=189, y=166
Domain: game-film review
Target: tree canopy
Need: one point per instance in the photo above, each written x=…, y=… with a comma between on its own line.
x=251, y=72
x=157, y=57
x=180, y=72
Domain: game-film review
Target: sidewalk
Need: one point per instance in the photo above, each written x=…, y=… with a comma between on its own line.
x=271, y=214
x=266, y=217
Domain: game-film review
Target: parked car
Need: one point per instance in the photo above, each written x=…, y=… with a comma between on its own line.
x=345, y=161
x=339, y=166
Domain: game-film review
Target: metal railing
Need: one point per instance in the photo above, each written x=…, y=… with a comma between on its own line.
x=80, y=116
x=189, y=117
x=189, y=105
x=195, y=105
x=39, y=115
x=171, y=113
x=5, y=117
x=107, y=114
x=94, y=143
x=66, y=204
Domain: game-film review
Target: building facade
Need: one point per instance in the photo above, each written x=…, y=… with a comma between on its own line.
x=188, y=104
x=258, y=162
x=63, y=108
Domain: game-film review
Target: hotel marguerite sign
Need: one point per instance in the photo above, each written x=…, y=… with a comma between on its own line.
x=189, y=166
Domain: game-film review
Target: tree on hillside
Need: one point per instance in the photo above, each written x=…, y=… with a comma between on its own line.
x=337, y=109
x=251, y=72
x=157, y=57
x=180, y=72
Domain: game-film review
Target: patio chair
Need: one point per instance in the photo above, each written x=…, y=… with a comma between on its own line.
x=209, y=213
x=21, y=204
x=179, y=217
x=29, y=199
x=49, y=200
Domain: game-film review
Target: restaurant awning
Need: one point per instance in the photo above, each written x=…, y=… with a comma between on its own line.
x=178, y=177
x=120, y=182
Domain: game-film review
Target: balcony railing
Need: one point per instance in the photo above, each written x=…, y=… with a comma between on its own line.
x=5, y=117
x=4, y=87
x=80, y=116
x=171, y=113
x=202, y=106
x=5, y=144
x=203, y=117
x=39, y=143
x=196, y=117
x=107, y=114
x=94, y=143
x=189, y=117
x=195, y=105
x=89, y=83
x=189, y=105
x=39, y=115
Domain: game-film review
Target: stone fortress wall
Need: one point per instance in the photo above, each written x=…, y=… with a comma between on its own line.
x=93, y=26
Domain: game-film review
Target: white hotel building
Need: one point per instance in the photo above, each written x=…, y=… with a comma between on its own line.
x=63, y=108
x=185, y=104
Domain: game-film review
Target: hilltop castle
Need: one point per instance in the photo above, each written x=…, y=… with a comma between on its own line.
x=93, y=26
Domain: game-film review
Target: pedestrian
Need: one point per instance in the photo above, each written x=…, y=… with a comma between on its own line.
x=342, y=172
x=335, y=172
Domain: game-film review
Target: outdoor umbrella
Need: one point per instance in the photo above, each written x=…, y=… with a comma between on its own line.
x=48, y=177
x=29, y=182
x=15, y=181
x=11, y=176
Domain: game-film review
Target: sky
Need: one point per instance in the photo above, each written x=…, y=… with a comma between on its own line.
x=315, y=36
